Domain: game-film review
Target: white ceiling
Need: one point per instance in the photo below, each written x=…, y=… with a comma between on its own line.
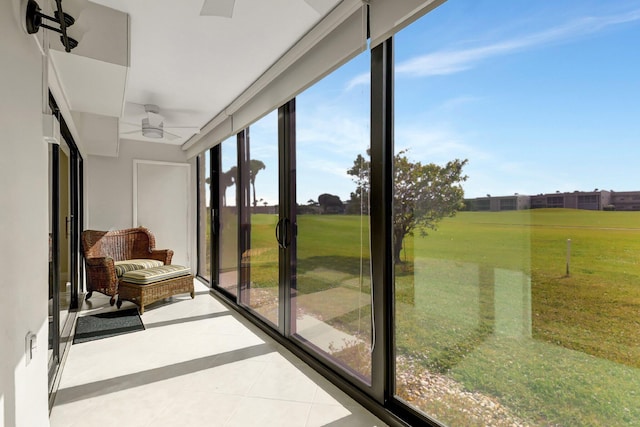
x=194, y=66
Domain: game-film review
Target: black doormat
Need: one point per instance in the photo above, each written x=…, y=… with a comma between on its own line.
x=104, y=325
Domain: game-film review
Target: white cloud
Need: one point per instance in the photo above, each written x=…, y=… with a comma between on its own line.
x=328, y=141
x=337, y=134
x=435, y=145
x=324, y=168
x=454, y=103
x=453, y=61
x=360, y=79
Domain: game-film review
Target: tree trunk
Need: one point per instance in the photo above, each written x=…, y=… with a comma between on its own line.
x=398, y=237
x=253, y=186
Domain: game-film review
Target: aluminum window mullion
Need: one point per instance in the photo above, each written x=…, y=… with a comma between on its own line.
x=287, y=211
x=243, y=203
x=381, y=205
x=214, y=214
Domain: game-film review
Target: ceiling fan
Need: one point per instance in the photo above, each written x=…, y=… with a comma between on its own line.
x=152, y=126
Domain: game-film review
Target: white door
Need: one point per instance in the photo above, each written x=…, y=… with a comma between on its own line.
x=161, y=203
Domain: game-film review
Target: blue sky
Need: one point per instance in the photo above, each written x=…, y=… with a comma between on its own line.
x=538, y=96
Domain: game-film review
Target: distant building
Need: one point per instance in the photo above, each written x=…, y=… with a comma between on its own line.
x=500, y=203
x=588, y=200
x=625, y=200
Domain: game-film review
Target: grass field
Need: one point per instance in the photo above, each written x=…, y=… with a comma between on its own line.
x=595, y=308
x=485, y=300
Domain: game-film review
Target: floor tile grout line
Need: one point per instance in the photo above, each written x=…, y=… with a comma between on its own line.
x=306, y=423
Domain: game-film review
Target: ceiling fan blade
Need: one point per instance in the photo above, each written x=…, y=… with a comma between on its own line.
x=184, y=129
x=171, y=136
x=222, y=8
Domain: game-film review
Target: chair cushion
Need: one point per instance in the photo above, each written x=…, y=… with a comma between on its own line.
x=155, y=274
x=135, y=264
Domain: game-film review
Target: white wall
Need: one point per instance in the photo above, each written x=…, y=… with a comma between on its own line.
x=109, y=186
x=165, y=212
x=23, y=226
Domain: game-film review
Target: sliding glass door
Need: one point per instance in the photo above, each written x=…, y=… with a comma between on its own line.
x=245, y=205
x=218, y=217
x=332, y=298
x=205, y=229
x=227, y=161
x=290, y=203
x=65, y=223
x=259, y=218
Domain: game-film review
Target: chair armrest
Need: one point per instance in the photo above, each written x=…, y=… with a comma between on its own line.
x=100, y=262
x=101, y=271
x=163, y=255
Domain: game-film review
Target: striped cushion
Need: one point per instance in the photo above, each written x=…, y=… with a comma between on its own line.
x=155, y=274
x=135, y=264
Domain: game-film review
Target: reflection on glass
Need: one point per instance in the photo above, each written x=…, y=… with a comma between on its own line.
x=51, y=266
x=333, y=296
x=64, y=282
x=517, y=214
x=260, y=259
x=228, y=216
x=204, y=227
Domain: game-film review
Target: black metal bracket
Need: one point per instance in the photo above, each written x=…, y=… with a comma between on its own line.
x=34, y=17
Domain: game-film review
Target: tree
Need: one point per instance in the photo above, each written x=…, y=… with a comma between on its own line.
x=255, y=166
x=423, y=194
x=359, y=201
x=330, y=204
x=226, y=180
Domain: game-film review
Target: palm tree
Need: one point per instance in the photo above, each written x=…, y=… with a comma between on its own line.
x=227, y=179
x=255, y=166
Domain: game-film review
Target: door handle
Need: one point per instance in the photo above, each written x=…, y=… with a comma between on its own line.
x=287, y=233
x=279, y=233
x=283, y=233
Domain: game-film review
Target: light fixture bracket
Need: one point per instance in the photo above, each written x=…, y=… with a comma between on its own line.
x=34, y=21
x=33, y=18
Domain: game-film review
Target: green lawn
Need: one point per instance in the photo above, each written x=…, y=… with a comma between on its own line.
x=489, y=304
x=596, y=308
x=485, y=300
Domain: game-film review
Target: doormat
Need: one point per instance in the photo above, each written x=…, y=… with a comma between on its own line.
x=104, y=325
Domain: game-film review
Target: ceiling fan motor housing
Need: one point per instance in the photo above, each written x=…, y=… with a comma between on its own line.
x=151, y=131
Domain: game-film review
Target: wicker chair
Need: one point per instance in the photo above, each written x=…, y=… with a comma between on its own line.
x=102, y=248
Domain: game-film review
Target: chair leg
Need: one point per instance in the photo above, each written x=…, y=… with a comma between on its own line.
x=112, y=300
x=88, y=295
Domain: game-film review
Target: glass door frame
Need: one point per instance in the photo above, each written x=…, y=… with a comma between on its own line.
x=61, y=332
x=287, y=230
x=215, y=197
x=286, y=209
x=243, y=204
x=287, y=217
x=54, y=265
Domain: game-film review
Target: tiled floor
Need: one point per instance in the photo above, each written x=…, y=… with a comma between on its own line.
x=196, y=364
